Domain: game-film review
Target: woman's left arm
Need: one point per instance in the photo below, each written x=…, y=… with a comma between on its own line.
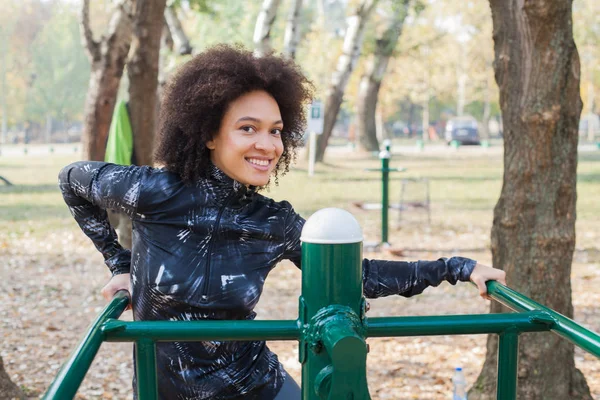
x=384, y=278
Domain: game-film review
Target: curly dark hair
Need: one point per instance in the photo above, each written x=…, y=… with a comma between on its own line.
x=197, y=97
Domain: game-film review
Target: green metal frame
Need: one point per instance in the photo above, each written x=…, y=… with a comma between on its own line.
x=385, y=191
x=331, y=331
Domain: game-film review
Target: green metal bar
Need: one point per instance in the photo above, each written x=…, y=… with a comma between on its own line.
x=73, y=371
x=385, y=195
x=145, y=366
x=535, y=321
x=563, y=326
x=508, y=359
x=189, y=331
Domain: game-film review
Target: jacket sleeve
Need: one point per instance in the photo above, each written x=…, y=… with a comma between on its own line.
x=384, y=278
x=293, y=229
x=89, y=188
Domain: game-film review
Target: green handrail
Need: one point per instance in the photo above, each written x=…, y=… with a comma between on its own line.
x=190, y=331
x=563, y=326
x=533, y=317
x=73, y=371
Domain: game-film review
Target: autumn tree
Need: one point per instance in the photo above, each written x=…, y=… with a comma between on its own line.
x=264, y=24
x=533, y=234
x=173, y=25
x=368, y=92
x=292, y=30
x=345, y=65
x=61, y=70
x=142, y=70
x=107, y=58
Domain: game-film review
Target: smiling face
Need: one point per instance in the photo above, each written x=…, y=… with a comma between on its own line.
x=248, y=144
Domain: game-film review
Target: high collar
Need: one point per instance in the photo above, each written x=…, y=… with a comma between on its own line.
x=226, y=189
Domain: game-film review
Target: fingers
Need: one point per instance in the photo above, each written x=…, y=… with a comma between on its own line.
x=484, y=274
x=502, y=278
x=117, y=282
x=482, y=288
x=108, y=291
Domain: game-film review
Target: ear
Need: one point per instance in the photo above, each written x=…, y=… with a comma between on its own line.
x=210, y=144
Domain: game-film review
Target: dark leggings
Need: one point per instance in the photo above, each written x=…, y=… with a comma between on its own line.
x=290, y=390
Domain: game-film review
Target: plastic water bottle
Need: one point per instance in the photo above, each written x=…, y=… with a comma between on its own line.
x=459, y=391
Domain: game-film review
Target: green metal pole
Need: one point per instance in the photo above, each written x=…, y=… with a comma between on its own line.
x=73, y=371
x=563, y=326
x=533, y=321
x=385, y=196
x=145, y=366
x=193, y=331
x=508, y=358
x=333, y=351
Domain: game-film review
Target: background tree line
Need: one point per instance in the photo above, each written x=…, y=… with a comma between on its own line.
x=439, y=66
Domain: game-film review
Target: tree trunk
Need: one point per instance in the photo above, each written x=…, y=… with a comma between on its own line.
x=143, y=75
x=174, y=25
x=166, y=43
x=370, y=83
x=107, y=59
x=8, y=390
x=264, y=23
x=533, y=234
x=292, y=30
x=345, y=65
x=487, y=109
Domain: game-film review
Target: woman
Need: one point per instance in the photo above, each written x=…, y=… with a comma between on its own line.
x=204, y=239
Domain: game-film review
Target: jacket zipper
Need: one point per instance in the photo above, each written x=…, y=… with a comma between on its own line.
x=204, y=293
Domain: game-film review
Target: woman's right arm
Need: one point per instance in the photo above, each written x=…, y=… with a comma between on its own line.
x=89, y=188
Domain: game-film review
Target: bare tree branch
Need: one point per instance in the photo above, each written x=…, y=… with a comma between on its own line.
x=87, y=36
x=180, y=38
x=166, y=40
x=292, y=30
x=264, y=23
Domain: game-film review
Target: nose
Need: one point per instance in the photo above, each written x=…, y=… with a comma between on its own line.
x=266, y=142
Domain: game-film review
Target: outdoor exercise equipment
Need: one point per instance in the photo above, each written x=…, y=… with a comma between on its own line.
x=331, y=328
x=385, y=169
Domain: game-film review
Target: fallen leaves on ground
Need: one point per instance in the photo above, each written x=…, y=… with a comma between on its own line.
x=50, y=292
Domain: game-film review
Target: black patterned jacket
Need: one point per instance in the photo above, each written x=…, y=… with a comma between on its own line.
x=203, y=251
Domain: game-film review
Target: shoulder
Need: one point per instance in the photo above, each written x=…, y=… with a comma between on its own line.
x=283, y=208
x=160, y=181
x=161, y=176
x=283, y=205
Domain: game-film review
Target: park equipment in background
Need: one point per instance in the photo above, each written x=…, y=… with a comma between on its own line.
x=385, y=169
x=405, y=204
x=331, y=328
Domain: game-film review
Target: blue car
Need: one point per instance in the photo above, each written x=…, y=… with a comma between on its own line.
x=462, y=129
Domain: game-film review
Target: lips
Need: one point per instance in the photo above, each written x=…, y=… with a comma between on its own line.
x=259, y=162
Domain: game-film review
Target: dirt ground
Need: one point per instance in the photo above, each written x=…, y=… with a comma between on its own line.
x=50, y=292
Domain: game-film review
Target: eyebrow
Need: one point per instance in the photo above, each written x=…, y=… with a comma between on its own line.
x=257, y=120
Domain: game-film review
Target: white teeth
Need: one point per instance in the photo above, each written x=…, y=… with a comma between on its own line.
x=259, y=162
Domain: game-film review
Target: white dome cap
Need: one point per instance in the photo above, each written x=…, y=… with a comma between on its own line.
x=331, y=226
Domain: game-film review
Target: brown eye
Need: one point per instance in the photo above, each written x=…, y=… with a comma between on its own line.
x=248, y=128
